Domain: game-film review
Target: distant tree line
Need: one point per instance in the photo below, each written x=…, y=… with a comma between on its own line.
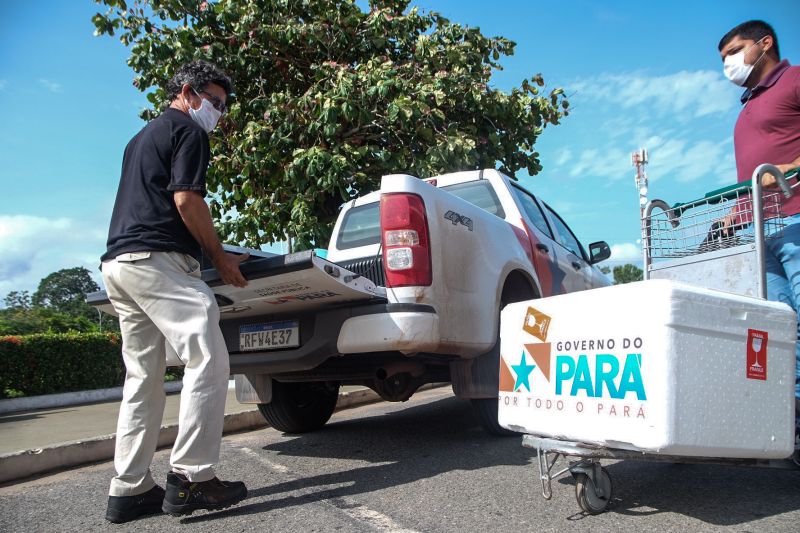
x=58, y=306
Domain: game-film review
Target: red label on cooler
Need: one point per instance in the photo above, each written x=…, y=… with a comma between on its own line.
x=756, y=354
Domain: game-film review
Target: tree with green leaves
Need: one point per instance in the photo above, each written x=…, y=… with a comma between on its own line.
x=627, y=274
x=18, y=300
x=329, y=98
x=65, y=291
x=58, y=306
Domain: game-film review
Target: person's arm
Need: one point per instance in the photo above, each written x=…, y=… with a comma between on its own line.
x=197, y=217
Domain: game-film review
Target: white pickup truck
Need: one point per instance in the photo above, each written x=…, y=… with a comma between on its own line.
x=410, y=293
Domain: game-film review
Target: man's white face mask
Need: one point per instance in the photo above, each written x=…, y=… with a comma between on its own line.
x=207, y=116
x=736, y=69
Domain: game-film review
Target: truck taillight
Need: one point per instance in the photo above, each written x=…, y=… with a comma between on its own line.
x=405, y=240
x=401, y=237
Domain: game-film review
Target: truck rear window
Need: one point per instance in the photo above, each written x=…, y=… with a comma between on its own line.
x=362, y=225
x=478, y=193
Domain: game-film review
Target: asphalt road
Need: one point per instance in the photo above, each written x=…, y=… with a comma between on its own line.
x=421, y=466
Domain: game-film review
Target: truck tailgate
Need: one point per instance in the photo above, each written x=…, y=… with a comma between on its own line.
x=286, y=283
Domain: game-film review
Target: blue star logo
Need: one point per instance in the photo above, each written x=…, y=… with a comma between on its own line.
x=523, y=371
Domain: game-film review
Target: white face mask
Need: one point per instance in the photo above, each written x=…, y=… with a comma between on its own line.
x=736, y=69
x=207, y=116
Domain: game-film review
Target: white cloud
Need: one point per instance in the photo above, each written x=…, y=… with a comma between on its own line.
x=676, y=159
x=683, y=161
x=609, y=162
x=683, y=95
x=34, y=247
x=727, y=165
x=50, y=85
x=563, y=156
x=626, y=252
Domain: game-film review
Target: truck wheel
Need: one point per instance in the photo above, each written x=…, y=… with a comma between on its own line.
x=486, y=410
x=516, y=289
x=300, y=407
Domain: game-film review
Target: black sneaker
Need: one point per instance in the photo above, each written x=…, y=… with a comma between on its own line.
x=184, y=497
x=126, y=508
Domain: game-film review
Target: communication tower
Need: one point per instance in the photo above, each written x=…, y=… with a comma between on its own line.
x=639, y=160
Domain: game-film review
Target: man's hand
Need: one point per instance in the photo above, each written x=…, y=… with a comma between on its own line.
x=768, y=181
x=227, y=266
x=729, y=219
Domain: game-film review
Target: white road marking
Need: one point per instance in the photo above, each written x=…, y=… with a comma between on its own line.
x=377, y=520
x=353, y=509
x=266, y=462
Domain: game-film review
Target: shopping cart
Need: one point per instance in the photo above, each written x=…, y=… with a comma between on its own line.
x=691, y=241
x=688, y=242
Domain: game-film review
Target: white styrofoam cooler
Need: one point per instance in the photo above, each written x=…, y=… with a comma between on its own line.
x=655, y=366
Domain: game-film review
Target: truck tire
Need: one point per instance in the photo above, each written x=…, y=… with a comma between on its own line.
x=486, y=411
x=516, y=289
x=300, y=407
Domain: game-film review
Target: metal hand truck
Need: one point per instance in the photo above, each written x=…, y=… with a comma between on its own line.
x=689, y=242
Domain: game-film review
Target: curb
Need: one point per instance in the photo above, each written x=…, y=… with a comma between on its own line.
x=65, y=399
x=27, y=463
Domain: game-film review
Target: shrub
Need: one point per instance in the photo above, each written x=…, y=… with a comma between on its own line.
x=50, y=363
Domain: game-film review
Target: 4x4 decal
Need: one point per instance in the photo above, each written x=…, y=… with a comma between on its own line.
x=455, y=218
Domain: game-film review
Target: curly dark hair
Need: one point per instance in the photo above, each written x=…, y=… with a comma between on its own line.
x=198, y=74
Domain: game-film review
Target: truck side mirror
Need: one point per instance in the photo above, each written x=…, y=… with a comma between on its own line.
x=599, y=251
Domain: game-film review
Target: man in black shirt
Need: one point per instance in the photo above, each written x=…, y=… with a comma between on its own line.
x=158, y=227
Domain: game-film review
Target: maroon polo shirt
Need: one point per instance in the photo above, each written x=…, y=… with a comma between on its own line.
x=768, y=128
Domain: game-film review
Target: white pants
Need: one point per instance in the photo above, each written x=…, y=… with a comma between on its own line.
x=161, y=299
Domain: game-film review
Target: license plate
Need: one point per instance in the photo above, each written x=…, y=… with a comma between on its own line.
x=269, y=336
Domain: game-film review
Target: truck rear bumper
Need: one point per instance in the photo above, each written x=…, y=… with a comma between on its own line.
x=403, y=331
x=378, y=327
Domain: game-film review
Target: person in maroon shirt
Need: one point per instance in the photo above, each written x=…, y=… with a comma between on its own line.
x=768, y=131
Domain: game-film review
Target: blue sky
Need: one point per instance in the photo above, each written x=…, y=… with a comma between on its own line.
x=638, y=74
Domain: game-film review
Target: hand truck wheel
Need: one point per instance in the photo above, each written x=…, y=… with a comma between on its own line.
x=586, y=492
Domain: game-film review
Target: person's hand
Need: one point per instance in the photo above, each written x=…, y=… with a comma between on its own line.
x=768, y=181
x=227, y=266
x=728, y=220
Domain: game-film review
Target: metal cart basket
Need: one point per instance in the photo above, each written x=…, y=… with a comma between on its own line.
x=686, y=242
x=692, y=242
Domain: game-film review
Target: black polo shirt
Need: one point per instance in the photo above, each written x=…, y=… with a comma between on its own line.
x=170, y=154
